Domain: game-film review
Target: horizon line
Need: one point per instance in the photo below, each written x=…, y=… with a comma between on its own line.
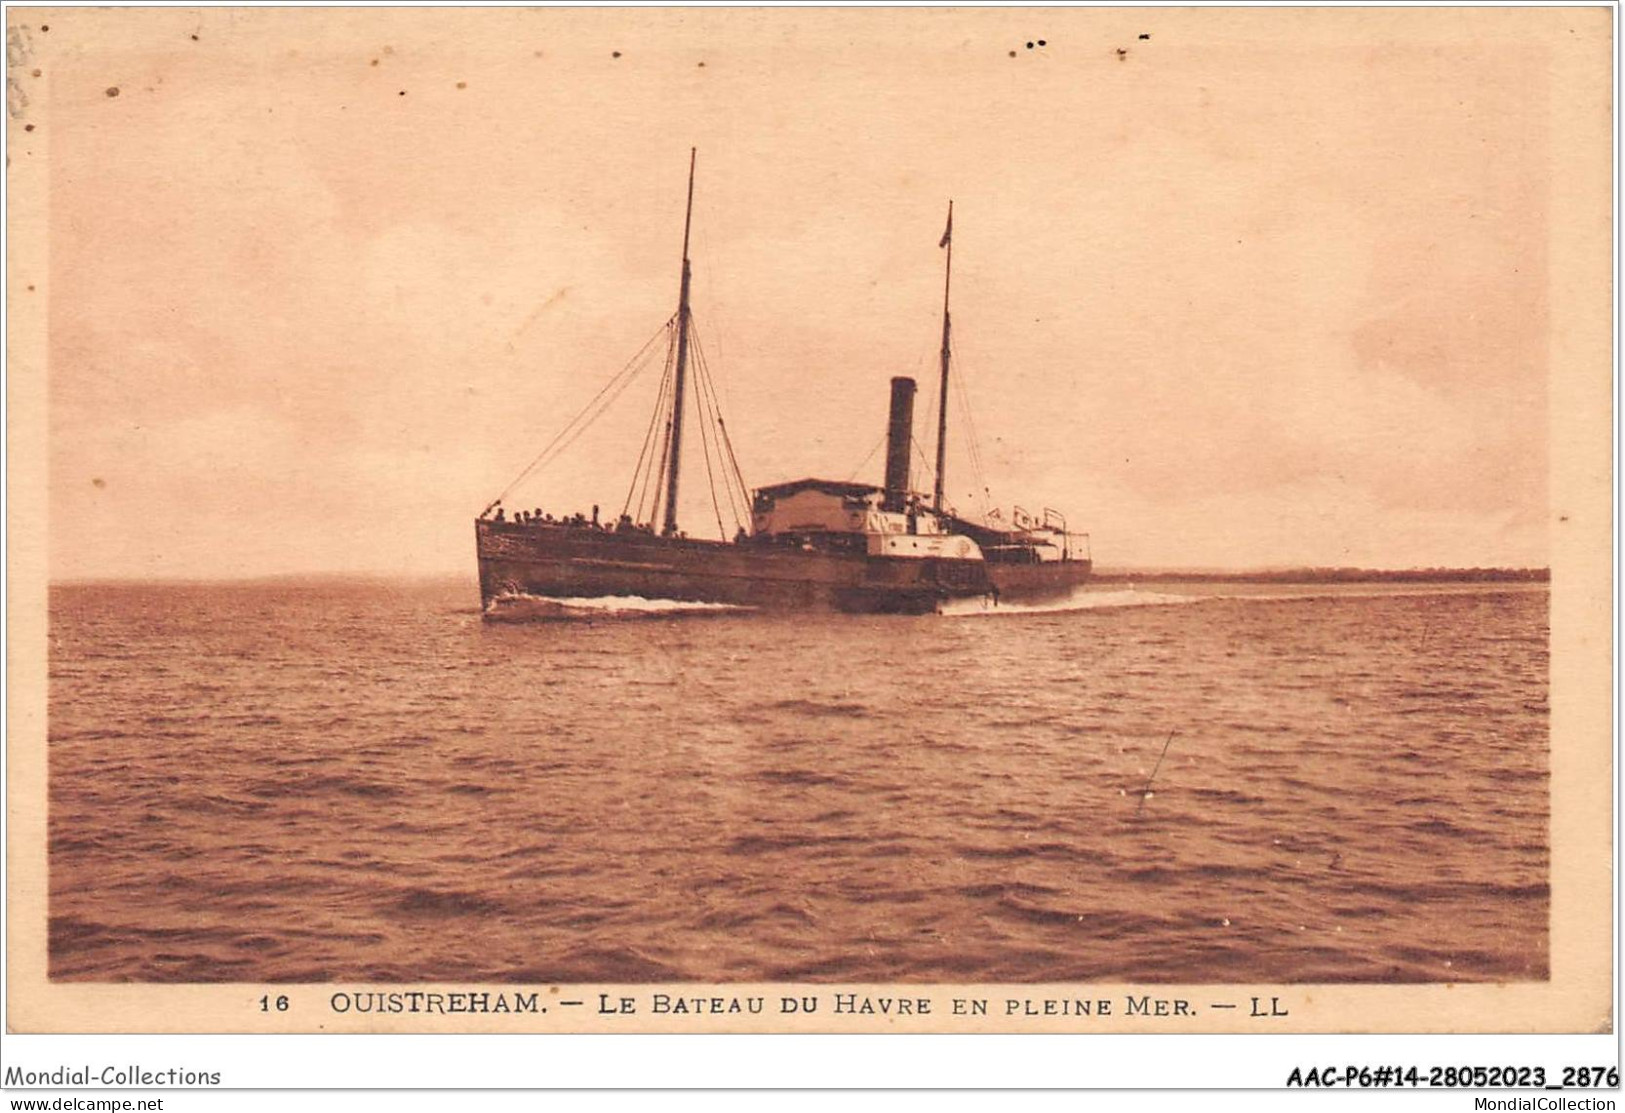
x=1101, y=572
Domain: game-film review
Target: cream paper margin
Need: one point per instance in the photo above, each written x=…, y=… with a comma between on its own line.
x=1576, y=998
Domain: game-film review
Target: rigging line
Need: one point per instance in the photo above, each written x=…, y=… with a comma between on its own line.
x=630, y=366
x=739, y=476
x=929, y=396
x=705, y=442
x=974, y=440
x=867, y=458
x=972, y=443
x=716, y=505
x=715, y=443
x=976, y=361
x=709, y=381
x=662, y=404
x=660, y=476
x=665, y=442
x=930, y=466
x=655, y=461
x=721, y=362
x=703, y=418
x=663, y=415
x=963, y=399
x=708, y=384
x=651, y=438
x=972, y=448
x=602, y=409
x=739, y=511
x=927, y=400
x=706, y=255
x=649, y=434
x=927, y=468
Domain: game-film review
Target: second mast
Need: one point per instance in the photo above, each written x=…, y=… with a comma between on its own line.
x=942, y=407
x=682, y=364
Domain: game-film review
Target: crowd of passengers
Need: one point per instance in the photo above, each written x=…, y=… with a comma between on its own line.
x=624, y=524
x=536, y=517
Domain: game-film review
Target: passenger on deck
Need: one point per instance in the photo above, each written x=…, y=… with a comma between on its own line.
x=502, y=515
x=595, y=515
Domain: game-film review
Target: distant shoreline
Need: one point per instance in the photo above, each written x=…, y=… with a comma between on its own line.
x=1336, y=576
x=1109, y=576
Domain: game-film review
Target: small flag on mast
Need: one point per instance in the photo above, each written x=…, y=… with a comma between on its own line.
x=948, y=232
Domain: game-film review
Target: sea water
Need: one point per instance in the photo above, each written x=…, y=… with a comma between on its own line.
x=367, y=781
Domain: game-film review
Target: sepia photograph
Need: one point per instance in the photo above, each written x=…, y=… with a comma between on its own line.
x=930, y=519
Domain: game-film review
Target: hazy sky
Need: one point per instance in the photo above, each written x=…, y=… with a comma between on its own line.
x=1269, y=288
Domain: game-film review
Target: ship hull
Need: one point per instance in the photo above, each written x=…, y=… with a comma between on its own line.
x=557, y=561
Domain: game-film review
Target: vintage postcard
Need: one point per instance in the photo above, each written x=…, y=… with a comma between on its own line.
x=809, y=520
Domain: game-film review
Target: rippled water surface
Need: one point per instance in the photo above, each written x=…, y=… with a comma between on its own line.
x=368, y=782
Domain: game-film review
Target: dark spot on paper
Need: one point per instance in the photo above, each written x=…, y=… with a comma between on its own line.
x=31, y=290
x=702, y=65
x=194, y=38
x=98, y=483
x=615, y=54
x=402, y=92
x=374, y=62
x=112, y=90
x=1029, y=46
x=1012, y=54
x=45, y=27
x=1122, y=55
x=1041, y=42
x=28, y=127
x=462, y=85
x=37, y=73
x=1145, y=38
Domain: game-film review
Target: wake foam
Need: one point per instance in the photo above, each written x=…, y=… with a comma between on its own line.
x=541, y=608
x=528, y=608
x=1079, y=601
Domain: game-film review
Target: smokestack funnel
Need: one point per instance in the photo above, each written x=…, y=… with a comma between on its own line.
x=899, y=439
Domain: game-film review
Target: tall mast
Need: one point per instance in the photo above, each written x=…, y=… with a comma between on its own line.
x=682, y=364
x=942, y=407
